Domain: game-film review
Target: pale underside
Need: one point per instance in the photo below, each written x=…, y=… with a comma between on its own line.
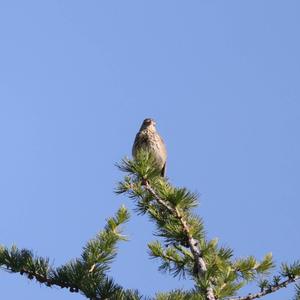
x=152, y=142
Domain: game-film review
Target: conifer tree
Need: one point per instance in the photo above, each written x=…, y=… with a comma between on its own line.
x=182, y=249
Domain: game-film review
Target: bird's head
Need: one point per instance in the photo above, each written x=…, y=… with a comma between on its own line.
x=148, y=124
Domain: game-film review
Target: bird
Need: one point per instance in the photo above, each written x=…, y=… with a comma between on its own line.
x=149, y=140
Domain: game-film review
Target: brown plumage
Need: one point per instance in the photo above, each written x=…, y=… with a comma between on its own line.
x=148, y=139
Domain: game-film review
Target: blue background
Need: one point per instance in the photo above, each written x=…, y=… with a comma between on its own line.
x=77, y=78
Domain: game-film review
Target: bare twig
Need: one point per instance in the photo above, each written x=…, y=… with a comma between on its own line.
x=267, y=291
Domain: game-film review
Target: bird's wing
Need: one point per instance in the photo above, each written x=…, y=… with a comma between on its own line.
x=164, y=170
x=163, y=149
x=163, y=154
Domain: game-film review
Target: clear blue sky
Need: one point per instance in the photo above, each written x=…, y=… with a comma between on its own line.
x=77, y=78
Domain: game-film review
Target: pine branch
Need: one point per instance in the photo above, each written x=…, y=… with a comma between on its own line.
x=297, y=295
x=217, y=275
x=22, y=261
x=15, y=261
x=271, y=289
x=169, y=207
x=174, y=260
x=179, y=295
x=200, y=265
x=86, y=274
